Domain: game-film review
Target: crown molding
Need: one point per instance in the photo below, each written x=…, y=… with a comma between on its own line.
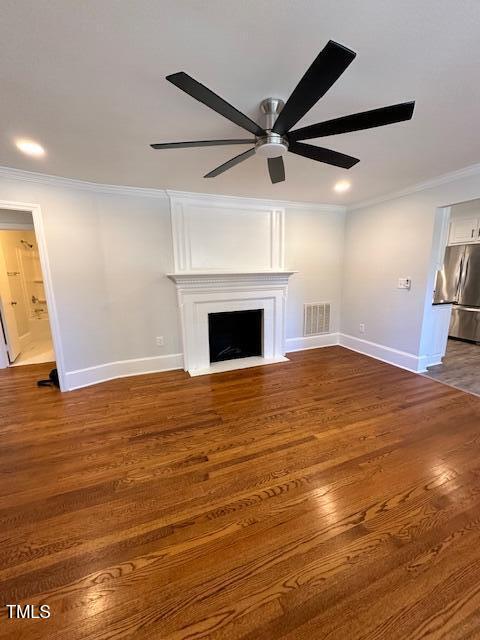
x=258, y=202
x=446, y=178
x=113, y=189
x=72, y=183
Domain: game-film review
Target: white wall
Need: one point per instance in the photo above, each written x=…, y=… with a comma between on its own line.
x=108, y=257
x=391, y=239
x=109, y=253
x=314, y=248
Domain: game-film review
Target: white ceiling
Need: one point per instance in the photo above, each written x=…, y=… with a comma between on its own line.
x=86, y=80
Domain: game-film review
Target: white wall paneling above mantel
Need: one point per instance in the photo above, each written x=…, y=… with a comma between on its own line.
x=215, y=234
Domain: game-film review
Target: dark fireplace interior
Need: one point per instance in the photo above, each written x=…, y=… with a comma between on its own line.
x=235, y=334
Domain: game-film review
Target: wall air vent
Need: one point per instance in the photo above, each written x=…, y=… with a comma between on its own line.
x=316, y=318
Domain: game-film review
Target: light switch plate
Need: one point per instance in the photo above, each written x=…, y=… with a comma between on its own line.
x=404, y=283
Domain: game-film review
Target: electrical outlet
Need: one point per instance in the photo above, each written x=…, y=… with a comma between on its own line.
x=361, y=327
x=159, y=341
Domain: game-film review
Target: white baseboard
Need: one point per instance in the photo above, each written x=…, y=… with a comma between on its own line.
x=311, y=342
x=122, y=369
x=401, y=359
x=429, y=361
x=156, y=364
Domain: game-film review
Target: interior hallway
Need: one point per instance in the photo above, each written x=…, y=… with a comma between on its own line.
x=333, y=492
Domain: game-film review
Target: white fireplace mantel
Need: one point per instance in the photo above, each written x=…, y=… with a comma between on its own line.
x=201, y=293
x=197, y=279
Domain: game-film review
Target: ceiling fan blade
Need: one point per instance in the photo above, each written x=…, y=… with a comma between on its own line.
x=276, y=169
x=321, y=154
x=325, y=70
x=201, y=93
x=200, y=143
x=356, y=122
x=231, y=163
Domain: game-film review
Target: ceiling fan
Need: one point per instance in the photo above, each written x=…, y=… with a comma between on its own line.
x=276, y=138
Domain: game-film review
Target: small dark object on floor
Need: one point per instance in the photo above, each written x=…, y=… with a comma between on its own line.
x=52, y=380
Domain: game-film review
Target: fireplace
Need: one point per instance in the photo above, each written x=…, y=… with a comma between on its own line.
x=235, y=334
x=231, y=320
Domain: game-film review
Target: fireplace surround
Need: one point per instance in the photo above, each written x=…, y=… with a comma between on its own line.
x=202, y=294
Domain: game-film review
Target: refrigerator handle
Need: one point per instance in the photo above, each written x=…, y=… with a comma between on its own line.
x=460, y=278
x=465, y=263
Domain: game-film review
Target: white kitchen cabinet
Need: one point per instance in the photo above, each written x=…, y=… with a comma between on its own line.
x=463, y=230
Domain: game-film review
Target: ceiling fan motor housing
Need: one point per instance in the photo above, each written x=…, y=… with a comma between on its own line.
x=271, y=145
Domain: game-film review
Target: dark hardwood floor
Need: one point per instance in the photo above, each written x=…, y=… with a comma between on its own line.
x=331, y=497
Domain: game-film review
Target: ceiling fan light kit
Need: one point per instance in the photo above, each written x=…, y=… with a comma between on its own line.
x=271, y=145
x=276, y=138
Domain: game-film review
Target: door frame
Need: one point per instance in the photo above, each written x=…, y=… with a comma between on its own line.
x=38, y=227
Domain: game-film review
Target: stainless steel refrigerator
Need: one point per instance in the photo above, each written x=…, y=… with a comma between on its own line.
x=459, y=283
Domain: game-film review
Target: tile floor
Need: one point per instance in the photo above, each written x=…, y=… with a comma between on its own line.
x=460, y=367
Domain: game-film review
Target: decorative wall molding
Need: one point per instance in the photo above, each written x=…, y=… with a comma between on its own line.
x=202, y=280
x=73, y=183
x=303, y=343
x=255, y=202
x=446, y=178
x=150, y=192
x=121, y=369
x=212, y=234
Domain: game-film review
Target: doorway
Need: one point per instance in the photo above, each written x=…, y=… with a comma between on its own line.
x=24, y=318
x=458, y=287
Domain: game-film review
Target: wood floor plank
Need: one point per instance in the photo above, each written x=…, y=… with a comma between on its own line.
x=333, y=497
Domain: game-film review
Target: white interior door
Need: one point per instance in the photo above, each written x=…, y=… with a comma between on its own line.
x=7, y=305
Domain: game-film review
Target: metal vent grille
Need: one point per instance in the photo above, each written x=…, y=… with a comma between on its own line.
x=316, y=318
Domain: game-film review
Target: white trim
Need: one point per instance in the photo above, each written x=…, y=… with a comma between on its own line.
x=198, y=280
x=303, y=343
x=200, y=294
x=185, y=209
x=47, y=280
x=253, y=202
x=122, y=369
x=453, y=176
x=429, y=361
x=398, y=358
x=237, y=363
x=73, y=183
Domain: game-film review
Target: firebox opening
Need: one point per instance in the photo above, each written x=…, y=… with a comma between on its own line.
x=235, y=334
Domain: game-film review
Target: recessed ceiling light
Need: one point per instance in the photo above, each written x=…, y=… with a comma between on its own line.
x=341, y=186
x=30, y=147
